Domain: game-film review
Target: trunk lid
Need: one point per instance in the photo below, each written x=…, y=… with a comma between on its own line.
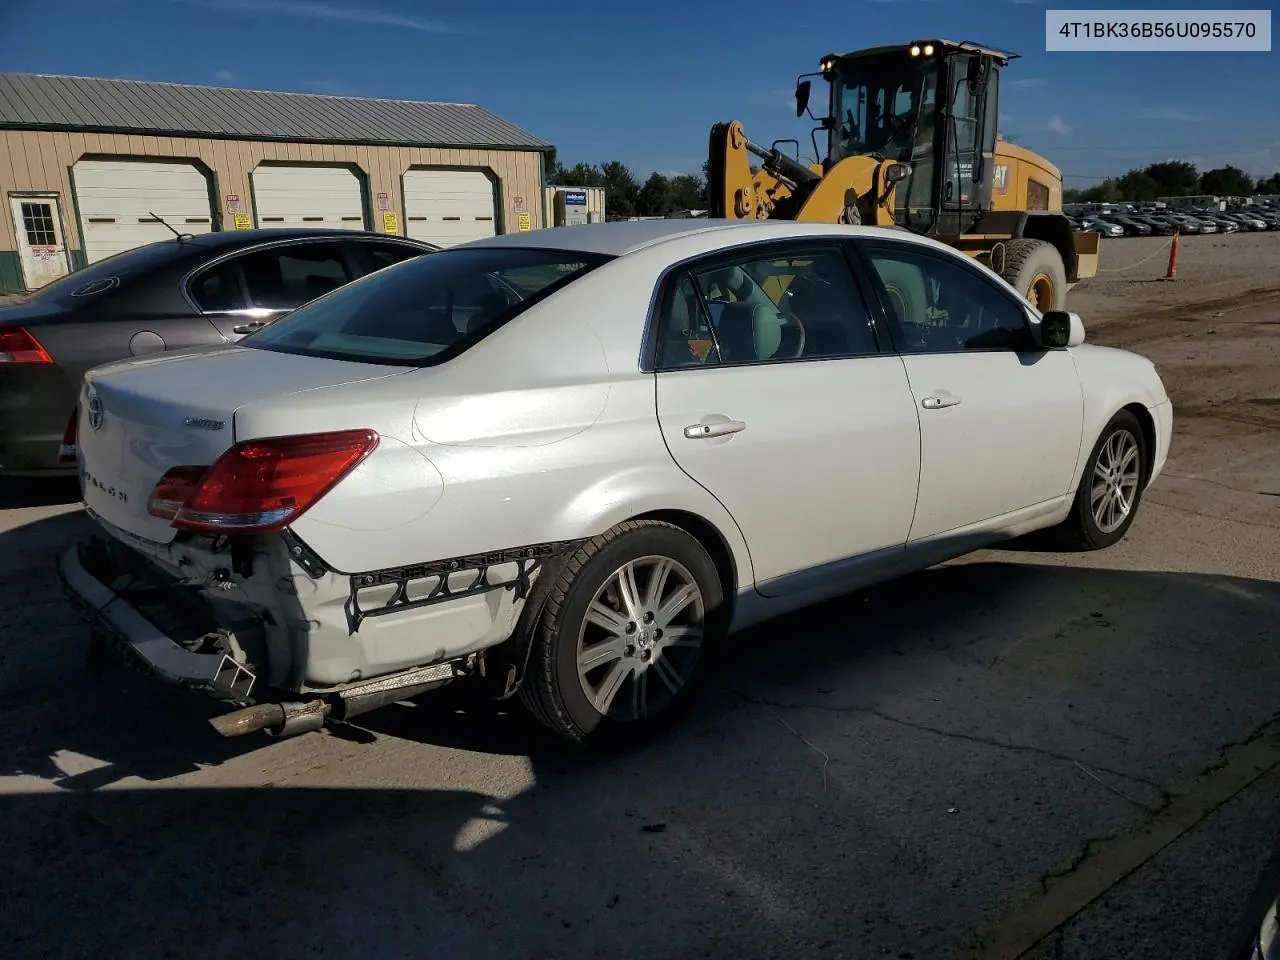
x=138, y=418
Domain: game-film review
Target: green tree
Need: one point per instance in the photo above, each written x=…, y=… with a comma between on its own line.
x=1176, y=178
x=1108, y=191
x=656, y=197
x=1227, y=181
x=620, y=189
x=1269, y=185
x=688, y=192
x=582, y=175
x=1138, y=185
x=551, y=166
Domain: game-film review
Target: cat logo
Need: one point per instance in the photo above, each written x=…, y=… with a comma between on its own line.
x=1000, y=179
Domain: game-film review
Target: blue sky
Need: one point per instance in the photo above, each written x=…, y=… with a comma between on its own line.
x=644, y=82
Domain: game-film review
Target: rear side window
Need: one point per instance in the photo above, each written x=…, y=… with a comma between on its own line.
x=286, y=277
x=427, y=310
x=385, y=254
x=218, y=288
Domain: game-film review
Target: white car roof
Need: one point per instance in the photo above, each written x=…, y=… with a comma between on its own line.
x=627, y=236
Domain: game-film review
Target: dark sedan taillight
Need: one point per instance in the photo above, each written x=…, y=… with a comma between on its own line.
x=67, y=451
x=19, y=345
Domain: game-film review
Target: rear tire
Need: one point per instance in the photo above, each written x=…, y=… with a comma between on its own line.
x=618, y=655
x=1110, y=487
x=1035, y=269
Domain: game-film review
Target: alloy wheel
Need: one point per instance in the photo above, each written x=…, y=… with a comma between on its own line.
x=1116, y=474
x=640, y=640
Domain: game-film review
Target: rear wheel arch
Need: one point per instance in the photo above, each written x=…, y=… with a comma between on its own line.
x=712, y=540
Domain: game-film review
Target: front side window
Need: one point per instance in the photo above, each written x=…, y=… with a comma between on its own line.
x=943, y=305
x=418, y=313
x=286, y=277
x=801, y=305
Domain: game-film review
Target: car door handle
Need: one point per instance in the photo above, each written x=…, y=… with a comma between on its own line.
x=719, y=428
x=937, y=401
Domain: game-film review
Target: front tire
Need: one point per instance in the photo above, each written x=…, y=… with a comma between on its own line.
x=1111, y=486
x=624, y=638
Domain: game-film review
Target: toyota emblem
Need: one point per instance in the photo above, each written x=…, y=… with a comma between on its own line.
x=94, y=407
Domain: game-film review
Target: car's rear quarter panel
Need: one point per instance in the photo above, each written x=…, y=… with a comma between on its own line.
x=545, y=431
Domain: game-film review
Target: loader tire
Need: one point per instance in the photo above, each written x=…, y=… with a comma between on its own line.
x=1035, y=269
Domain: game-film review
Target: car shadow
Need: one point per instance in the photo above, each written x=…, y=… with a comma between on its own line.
x=19, y=492
x=929, y=734
x=958, y=735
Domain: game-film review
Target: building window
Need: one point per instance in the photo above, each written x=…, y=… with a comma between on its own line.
x=1037, y=196
x=37, y=220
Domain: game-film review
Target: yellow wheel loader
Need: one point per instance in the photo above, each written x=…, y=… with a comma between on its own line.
x=912, y=143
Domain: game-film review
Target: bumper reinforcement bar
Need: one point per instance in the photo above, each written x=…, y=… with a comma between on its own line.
x=143, y=645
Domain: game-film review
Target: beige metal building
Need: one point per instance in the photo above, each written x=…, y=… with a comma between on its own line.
x=90, y=167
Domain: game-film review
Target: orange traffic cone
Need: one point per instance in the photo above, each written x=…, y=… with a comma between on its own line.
x=1172, y=272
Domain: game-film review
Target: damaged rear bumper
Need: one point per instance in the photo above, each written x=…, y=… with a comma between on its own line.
x=126, y=600
x=108, y=607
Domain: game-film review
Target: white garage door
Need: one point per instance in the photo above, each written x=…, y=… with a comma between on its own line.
x=116, y=200
x=308, y=197
x=447, y=207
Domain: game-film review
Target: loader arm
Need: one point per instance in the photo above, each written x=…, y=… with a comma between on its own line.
x=856, y=190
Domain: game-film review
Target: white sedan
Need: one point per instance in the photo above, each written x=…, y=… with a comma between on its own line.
x=570, y=463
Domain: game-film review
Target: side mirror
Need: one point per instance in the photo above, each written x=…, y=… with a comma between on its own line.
x=896, y=172
x=1059, y=329
x=977, y=74
x=803, y=89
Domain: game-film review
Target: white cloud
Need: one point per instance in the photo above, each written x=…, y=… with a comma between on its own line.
x=1256, y=163
x=1170, y=113
x=325, y=11
x=1025, y=83
x=1059, y=126
x=224, y=76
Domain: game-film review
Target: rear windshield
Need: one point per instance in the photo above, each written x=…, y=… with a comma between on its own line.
x=425, y=310
x=108, y=274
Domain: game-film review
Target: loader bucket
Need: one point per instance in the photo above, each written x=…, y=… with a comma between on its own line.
x=1086, y=245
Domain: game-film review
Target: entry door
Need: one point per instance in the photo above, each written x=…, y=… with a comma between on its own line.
x=37, y=221
x=774, y=394
x=1000, y=418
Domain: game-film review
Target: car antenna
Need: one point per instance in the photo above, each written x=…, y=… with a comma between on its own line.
x=181, y=236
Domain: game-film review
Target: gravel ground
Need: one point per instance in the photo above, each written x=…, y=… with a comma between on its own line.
x=1020, y=754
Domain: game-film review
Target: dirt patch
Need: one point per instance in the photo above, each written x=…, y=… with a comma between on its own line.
x=1214, y=332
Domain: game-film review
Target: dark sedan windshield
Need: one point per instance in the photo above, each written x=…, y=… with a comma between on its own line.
x=424, y=310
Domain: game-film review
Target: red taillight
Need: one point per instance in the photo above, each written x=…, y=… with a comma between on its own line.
x=67, y=451
x=259, y=485
x=174, y=489
x=17, y=345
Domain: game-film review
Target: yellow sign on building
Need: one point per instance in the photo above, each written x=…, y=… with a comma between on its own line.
x=244, y=221
x=525, y=222
x=389, y=224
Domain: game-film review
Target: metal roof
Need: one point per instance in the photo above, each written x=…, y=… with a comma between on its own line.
x=47, y=102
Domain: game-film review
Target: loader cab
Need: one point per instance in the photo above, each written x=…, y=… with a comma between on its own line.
x=932, y=105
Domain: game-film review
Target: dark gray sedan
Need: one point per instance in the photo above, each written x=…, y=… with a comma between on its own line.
x=169, y=295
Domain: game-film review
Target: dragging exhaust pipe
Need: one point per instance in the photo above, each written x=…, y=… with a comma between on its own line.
x=277, y=719
x=288, y=719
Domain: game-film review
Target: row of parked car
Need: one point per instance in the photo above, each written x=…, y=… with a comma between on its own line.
x=1164, y=223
